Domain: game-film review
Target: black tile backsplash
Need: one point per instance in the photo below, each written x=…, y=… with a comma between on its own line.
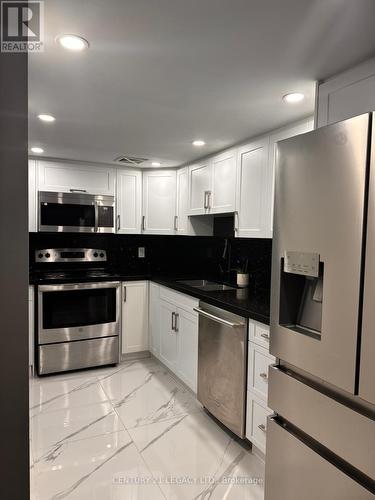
x=181, y=256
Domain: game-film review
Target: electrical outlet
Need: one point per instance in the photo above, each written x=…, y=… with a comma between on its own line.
x=141, y=252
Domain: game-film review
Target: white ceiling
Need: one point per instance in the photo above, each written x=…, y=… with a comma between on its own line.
x=160, y=73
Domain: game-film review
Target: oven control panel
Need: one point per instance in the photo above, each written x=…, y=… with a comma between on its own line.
x=70, y=255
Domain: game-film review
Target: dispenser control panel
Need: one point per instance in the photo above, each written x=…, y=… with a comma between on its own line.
x=305, y=263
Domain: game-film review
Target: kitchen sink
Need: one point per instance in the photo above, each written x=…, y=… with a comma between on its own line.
x=206, y=285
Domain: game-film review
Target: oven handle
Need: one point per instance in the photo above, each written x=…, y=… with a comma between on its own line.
x=79, y=286
x=217, y=319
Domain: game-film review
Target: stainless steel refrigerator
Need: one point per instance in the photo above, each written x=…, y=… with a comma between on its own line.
x=321, y=439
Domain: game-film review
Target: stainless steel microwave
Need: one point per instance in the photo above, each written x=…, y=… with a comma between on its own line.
x=75, y=212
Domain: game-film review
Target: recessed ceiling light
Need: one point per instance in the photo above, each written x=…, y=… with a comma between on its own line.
x=293, y=98
x=37, y=150
x=46, y=117
x=198, y=142
x=72, y=42
x=155, y=164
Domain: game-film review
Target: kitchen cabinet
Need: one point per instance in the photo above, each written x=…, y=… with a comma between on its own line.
x=182, y=222
x=346, y=95
x=223, y=197
x=33, y=220
x=178, y=333
x=31, y=329
x=252, y=189
x=200, y=187
x=159, y=201
x=134, y=324
x=81, y=178
x=212, y=185
x=154, y=319
x=129, y=201
x=168, y=335
x=259, y=360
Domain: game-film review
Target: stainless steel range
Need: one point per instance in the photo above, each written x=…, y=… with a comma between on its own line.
x=78, y=323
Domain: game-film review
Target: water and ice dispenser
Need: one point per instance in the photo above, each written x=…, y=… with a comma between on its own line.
x=301, y=293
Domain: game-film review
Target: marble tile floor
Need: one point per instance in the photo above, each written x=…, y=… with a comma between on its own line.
x=132, y=432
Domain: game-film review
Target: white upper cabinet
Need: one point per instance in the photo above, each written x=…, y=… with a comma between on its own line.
x=134, y=323
x=223, y=198
x=252, y=192
x=182, y=223
x=200, y=182
x=346, y=95
x=159, y=201
x=67, y=178
x=33, y=224
x=129, y=201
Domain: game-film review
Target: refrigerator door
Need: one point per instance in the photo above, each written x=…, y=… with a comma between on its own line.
x=294, y=471
x=367, y=366
x=317, y=247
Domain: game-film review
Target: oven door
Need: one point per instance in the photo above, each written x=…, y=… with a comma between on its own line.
x=78, y=311
x=75, y=212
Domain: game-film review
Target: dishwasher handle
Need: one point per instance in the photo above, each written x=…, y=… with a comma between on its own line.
x=223, y=321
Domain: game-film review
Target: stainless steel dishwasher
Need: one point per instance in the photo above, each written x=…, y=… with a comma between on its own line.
x=222, y=354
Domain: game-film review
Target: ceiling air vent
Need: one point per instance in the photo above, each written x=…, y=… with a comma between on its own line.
x=129, y=160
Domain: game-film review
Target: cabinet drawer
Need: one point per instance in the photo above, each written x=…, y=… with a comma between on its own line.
x=259, y=333
x=179, y=299
x=256, y=421
x=257, y=370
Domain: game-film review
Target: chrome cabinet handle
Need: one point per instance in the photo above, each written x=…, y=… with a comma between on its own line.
x=173, y=322
x=78, y=190
x=265, y=336
x=124, y=293
x=263, y=375
x=206, y=200
x=176, y=321
x=209, y=197
x=143, y=222
x=176, y=222
x=118, y=223
x=262, y=427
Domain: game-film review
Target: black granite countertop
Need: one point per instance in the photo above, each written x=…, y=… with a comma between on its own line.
x=241, y=301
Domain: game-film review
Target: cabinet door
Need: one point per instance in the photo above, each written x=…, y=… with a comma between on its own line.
x=284, y=133
x=159, y=201
x=187, y=366
x=154, y=319
x=129, y=203
x=199, y=188
x=182, y=223
x=223, y=198
x=252, y=189
x=134, y=316
x=33, y=225
x=168, y=337
x=348, y=94
x=67, y=177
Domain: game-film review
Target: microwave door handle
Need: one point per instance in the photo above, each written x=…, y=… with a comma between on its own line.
x=96, y=217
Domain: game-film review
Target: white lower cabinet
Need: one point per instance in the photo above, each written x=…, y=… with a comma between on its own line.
x=174, y=332
x=31, y=327
x=256, y=421
x=154, y=319
x=134, y=324
x=258, y=362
